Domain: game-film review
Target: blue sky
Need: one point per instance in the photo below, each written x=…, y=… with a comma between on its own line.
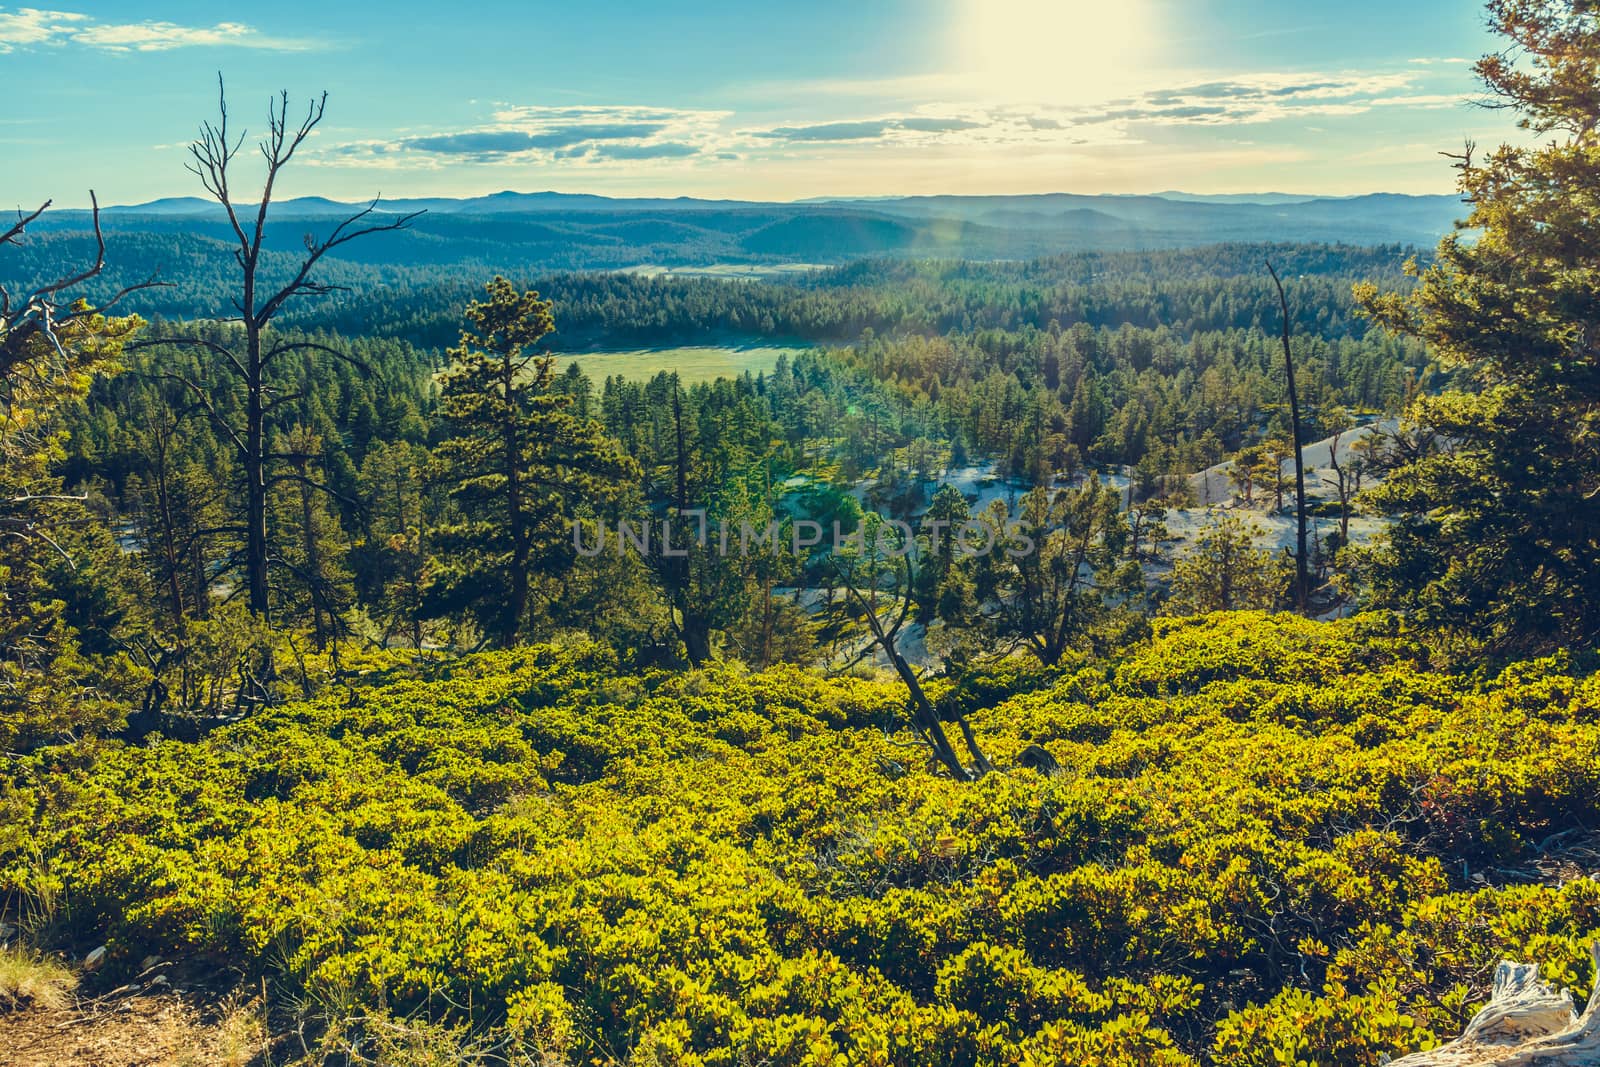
x=752, y=99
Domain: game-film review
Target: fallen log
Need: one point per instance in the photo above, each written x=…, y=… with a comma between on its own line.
x=1525, y=1024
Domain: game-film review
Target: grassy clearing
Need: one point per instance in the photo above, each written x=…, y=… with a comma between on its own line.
x=694, y=363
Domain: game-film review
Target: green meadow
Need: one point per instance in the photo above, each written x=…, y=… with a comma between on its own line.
x=694, y=363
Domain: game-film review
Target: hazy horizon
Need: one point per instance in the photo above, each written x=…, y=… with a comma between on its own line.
x=1241, y=196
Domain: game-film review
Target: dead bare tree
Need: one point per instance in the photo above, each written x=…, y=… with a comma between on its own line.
x=212, y=156
x=1347, y=478
x=1302, y=583
x=1525, y=1024
x=864, y=589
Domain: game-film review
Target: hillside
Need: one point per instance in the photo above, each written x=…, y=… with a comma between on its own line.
x=553, y=231
x=1271, y=841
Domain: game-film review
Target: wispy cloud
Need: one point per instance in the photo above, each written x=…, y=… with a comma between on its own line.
x=905, y=128
x=659, y=150
x=868, y=130
x=1259, y=98
x=31, y=27
x=596, y=136
x=508, y=142
x=871, y=128
x=522, y=134
x=1242, y=100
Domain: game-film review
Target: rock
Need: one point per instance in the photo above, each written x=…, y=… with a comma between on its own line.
x=1525, y=1024
x=149, y=962
x=94, y=958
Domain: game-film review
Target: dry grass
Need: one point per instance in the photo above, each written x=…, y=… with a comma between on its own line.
x=239, y=1039
x=30, y=979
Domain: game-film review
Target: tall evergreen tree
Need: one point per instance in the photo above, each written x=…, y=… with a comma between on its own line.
x=1495, y=531
x=391, y=559
x=53, y=559
x=515, y=461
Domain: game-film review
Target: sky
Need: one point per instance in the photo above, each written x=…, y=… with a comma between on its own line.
x=753, y=99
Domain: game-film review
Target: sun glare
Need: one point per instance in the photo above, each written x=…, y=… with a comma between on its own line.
x=1057, y=51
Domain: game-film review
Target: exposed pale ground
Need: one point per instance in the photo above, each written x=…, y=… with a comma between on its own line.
x=725, y=271
x=982, y=486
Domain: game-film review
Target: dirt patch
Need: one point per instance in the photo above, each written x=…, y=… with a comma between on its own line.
x=141, y=1027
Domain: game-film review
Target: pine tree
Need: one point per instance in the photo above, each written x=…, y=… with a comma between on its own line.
x=1226, y=570
x=50, y=551
x=312, y=546
x=515, y=461
x=179, y=514
x=1056, y=589
x=391, y=560
x=1495, y=529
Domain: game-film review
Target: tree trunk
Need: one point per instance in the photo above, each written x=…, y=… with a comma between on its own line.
x=519, y=530
x=313, y=561
x=696, y=640
x=926, y=716
x=923, y=714
x=414, y=587
x=169, y=545
x=694, y=627
x=1525, y=1024
x=255, y=466
x=1302, y=589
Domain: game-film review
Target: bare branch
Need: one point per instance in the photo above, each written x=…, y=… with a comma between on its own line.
x=344, y=233
x=321, y=487
x=203, y=401
x=86, y=274
x=212, y=153
x=193, y=342
x=22, y=223
x=285, y=347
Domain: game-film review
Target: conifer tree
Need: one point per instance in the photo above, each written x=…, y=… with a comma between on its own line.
x=51, y=559
x=515, y=461
x=1495, y=529
x=1227, y=570
x=391, y=559
x=1065, y=578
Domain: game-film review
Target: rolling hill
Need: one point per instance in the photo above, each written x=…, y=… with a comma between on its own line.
x=548, y=230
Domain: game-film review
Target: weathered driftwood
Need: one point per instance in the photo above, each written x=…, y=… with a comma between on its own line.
x=1525, y=1024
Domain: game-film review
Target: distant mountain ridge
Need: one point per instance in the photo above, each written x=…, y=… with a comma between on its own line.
x=510, y=201
x=504, y=202
x=516, y=232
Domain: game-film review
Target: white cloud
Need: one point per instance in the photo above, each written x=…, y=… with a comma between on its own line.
x=1425, y=101
x=28, y=27
x=32, y=26
x=521, y=134
x=931, y=131
x=1249, y=99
